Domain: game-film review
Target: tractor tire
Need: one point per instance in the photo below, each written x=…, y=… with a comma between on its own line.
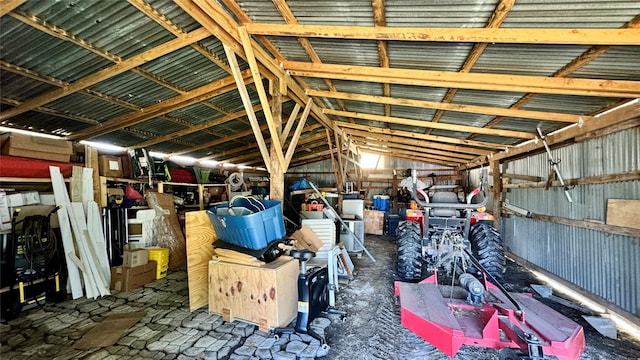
x=486, y=246
x=409, y=258
x=408, y=227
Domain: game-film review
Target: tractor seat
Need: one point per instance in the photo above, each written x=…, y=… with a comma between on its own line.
x=444, y=197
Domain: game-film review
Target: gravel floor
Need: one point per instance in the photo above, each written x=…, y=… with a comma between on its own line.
x=168, y=330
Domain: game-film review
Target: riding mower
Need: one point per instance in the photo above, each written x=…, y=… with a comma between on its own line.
x=453, y=240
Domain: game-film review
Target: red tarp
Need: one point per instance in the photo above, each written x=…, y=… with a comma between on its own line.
x=14, y=166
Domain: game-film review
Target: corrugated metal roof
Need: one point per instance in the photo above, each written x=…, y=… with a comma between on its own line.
x=134, y=89
x=570, y=14
x=123, y=30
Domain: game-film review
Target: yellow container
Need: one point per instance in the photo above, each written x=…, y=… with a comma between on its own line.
x=160, y=256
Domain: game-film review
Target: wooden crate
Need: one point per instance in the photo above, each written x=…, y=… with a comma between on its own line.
x=265, y=295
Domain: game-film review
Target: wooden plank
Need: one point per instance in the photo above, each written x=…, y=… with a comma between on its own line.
x=8, y=5
x=75, y=187
x=611, y=229
x=265, y=295
x=96, y=236
x=65, y=229
x=91, y=161
x=623, y=213
x=274, y=131
x=87, y=186
x=200, y=237
x=285, y=132
x=296, y=135
x=478, y=81
x=473, y=109
x=246, y=101
x=483, y=35
x=87, y=251
x=496, y=194
x=600, y=179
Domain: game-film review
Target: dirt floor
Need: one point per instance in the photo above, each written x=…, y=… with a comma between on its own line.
x=372, y=329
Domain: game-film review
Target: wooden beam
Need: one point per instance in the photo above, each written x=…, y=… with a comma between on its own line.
x=264, y=100
x=377, y=130
x=380, y=19
x=202, y=93
x=107, y=73
x=412, y=158
x=7, y=6
x=420, y=143
x=600, y=179
x=400, y=144
x=496, y=194
x=499, y=14
x=296, y=135
x=285, y=132
x=198, y=127
x=629, y=110
x=478, y=81
x=246, y=101
x=577, y=63
x=483, y=35
x=428, y=124
x=474, y=109
x=385, y=149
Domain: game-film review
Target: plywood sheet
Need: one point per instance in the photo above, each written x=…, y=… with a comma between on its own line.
x=178, y=252
x=623, y=213
x=266, y=295
x=200, y=236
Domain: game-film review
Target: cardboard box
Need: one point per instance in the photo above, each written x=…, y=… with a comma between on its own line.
x=373, y=222
x=128, y=278
x=110, y=165
x=5, y=216
x=135, y=257
x=35, y=147
x=307, y=239
x=265, y=295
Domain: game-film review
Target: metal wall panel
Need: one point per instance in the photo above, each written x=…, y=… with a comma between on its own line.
x=605, y=264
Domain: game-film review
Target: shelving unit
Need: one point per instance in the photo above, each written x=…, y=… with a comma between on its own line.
x=200, y=191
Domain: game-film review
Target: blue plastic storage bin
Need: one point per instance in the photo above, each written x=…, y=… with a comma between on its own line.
x=254, y=231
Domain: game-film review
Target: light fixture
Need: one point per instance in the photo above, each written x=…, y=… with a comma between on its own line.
x=103, y=146
x=208, y=163
x=30, y=133
x=183, y=160
x=157, y=155
x=228, y=165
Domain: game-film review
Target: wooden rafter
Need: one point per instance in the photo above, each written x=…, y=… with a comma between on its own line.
x=411, y=135
x=415, y=149
x=478, y=81
x=399, y=151
x=577, y=63
x=422, y=143
x=197, y=95
x=474, y=109
x=309, y=139
x=380, y=20
x=7, y=6
x=194, y=128
x=285, y=132
x=428, y=124
x=290, y=18
x=107, y=73
x=629, y=110
x=246, y=101
x=486, y=35
x=296, y=134
x=499, y=14
x=411, y=157
x=274, y=130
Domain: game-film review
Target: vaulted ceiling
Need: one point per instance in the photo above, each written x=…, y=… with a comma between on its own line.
x=434, y=81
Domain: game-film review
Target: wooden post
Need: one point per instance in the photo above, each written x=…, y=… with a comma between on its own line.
x=496, y=192
x=276, y=176
x=91, y=161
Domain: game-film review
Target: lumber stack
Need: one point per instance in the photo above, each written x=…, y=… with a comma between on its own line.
x=82, y=237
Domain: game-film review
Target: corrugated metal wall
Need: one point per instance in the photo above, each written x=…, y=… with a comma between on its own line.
x=605, y=264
